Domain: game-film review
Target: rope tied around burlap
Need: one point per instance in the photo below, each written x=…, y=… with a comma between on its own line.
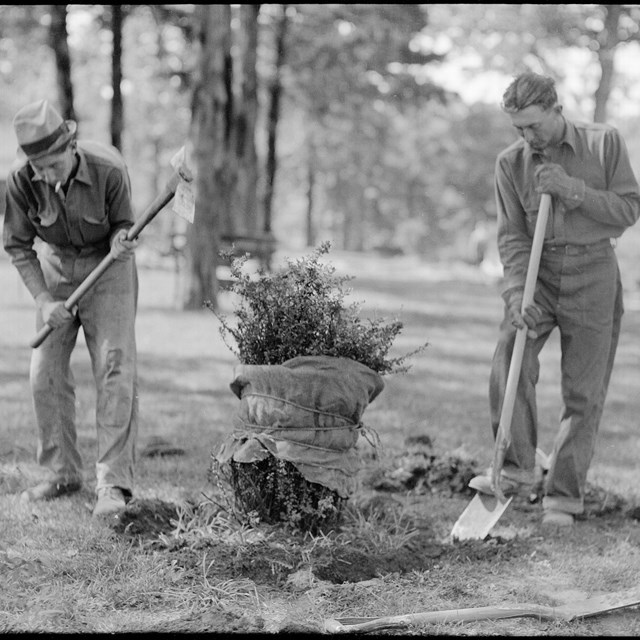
x=297, y=406
x=306, y=411
x=367, y=432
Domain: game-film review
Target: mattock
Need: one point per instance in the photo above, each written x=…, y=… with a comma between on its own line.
x=180, y=181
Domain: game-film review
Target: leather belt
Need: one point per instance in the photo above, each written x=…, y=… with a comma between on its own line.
x=578, y=249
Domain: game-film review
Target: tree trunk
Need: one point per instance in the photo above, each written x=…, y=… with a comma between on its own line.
x=608, y=41
x=275, y=93
x=211, y=111
x=311, y=182
x=60, y=46
x=245, y=209
x=117, y=110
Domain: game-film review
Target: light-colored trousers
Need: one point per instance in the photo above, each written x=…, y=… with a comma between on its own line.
x=581, y=294
x=107, y=316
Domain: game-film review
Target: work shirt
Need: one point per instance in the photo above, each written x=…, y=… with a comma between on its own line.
x=605, y=201
x=96, y=205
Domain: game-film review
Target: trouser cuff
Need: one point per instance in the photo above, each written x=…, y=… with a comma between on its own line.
x=563, y=503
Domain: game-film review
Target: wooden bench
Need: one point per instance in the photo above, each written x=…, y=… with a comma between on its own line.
x=258, y=247
x=261, y=247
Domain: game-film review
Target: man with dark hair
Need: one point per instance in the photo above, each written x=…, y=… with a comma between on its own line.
x=527, y=90
x=586, y=170
x=75, y=196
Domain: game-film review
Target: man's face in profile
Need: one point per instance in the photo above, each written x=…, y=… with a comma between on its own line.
x=536, y=125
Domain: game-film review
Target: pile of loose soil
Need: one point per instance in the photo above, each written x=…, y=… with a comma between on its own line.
x=421, y=469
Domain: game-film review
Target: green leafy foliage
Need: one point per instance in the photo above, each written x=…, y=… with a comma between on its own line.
x=301, y=311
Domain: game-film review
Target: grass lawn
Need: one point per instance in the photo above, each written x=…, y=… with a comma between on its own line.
x=177, y=565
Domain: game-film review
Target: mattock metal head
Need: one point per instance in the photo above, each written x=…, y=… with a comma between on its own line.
x=180, y=165
x=182, y=183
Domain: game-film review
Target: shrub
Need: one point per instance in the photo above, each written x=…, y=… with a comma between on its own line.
x=301, y=311
x=297, y=311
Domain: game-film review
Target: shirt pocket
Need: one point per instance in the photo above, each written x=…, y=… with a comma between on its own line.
x=44, y=217
x=94, y=225
x=531, y=214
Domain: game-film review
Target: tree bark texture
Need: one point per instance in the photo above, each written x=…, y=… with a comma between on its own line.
x=117, y=108
x=60, y=46
x=209, y=134
x=275, y=93
x=608, y=41
x=245, y=202
x=311, y=183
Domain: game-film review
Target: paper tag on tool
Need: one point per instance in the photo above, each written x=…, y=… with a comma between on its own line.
x=184, y=201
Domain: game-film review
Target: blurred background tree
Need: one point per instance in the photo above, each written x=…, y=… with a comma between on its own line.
x=373, y=126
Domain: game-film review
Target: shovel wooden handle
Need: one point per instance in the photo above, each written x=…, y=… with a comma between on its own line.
x=503, y=437
x=571, y=611
x=147, y=216
x=364, y=625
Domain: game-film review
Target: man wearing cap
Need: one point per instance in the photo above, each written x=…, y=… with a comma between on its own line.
x=67, y=206
x=585, y=168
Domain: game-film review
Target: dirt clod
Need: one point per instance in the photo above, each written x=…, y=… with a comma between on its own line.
x=419, y=468
x=146, y=519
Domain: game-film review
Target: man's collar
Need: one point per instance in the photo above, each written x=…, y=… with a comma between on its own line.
x=82, y=174
x=568, y=135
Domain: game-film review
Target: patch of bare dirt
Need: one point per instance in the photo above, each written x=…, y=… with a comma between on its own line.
x=271, y=561
x=417, y=471
x=351, y=565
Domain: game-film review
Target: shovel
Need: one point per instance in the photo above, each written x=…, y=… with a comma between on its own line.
x=565, y=613
x=484, y=511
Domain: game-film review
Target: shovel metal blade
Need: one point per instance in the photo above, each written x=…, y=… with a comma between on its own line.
x=479, y=517
x=599, y=604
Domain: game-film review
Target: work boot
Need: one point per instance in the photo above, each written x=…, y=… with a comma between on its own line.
x=111, y=500
x=51, y=489
x=556, y=518
x=509, y=486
